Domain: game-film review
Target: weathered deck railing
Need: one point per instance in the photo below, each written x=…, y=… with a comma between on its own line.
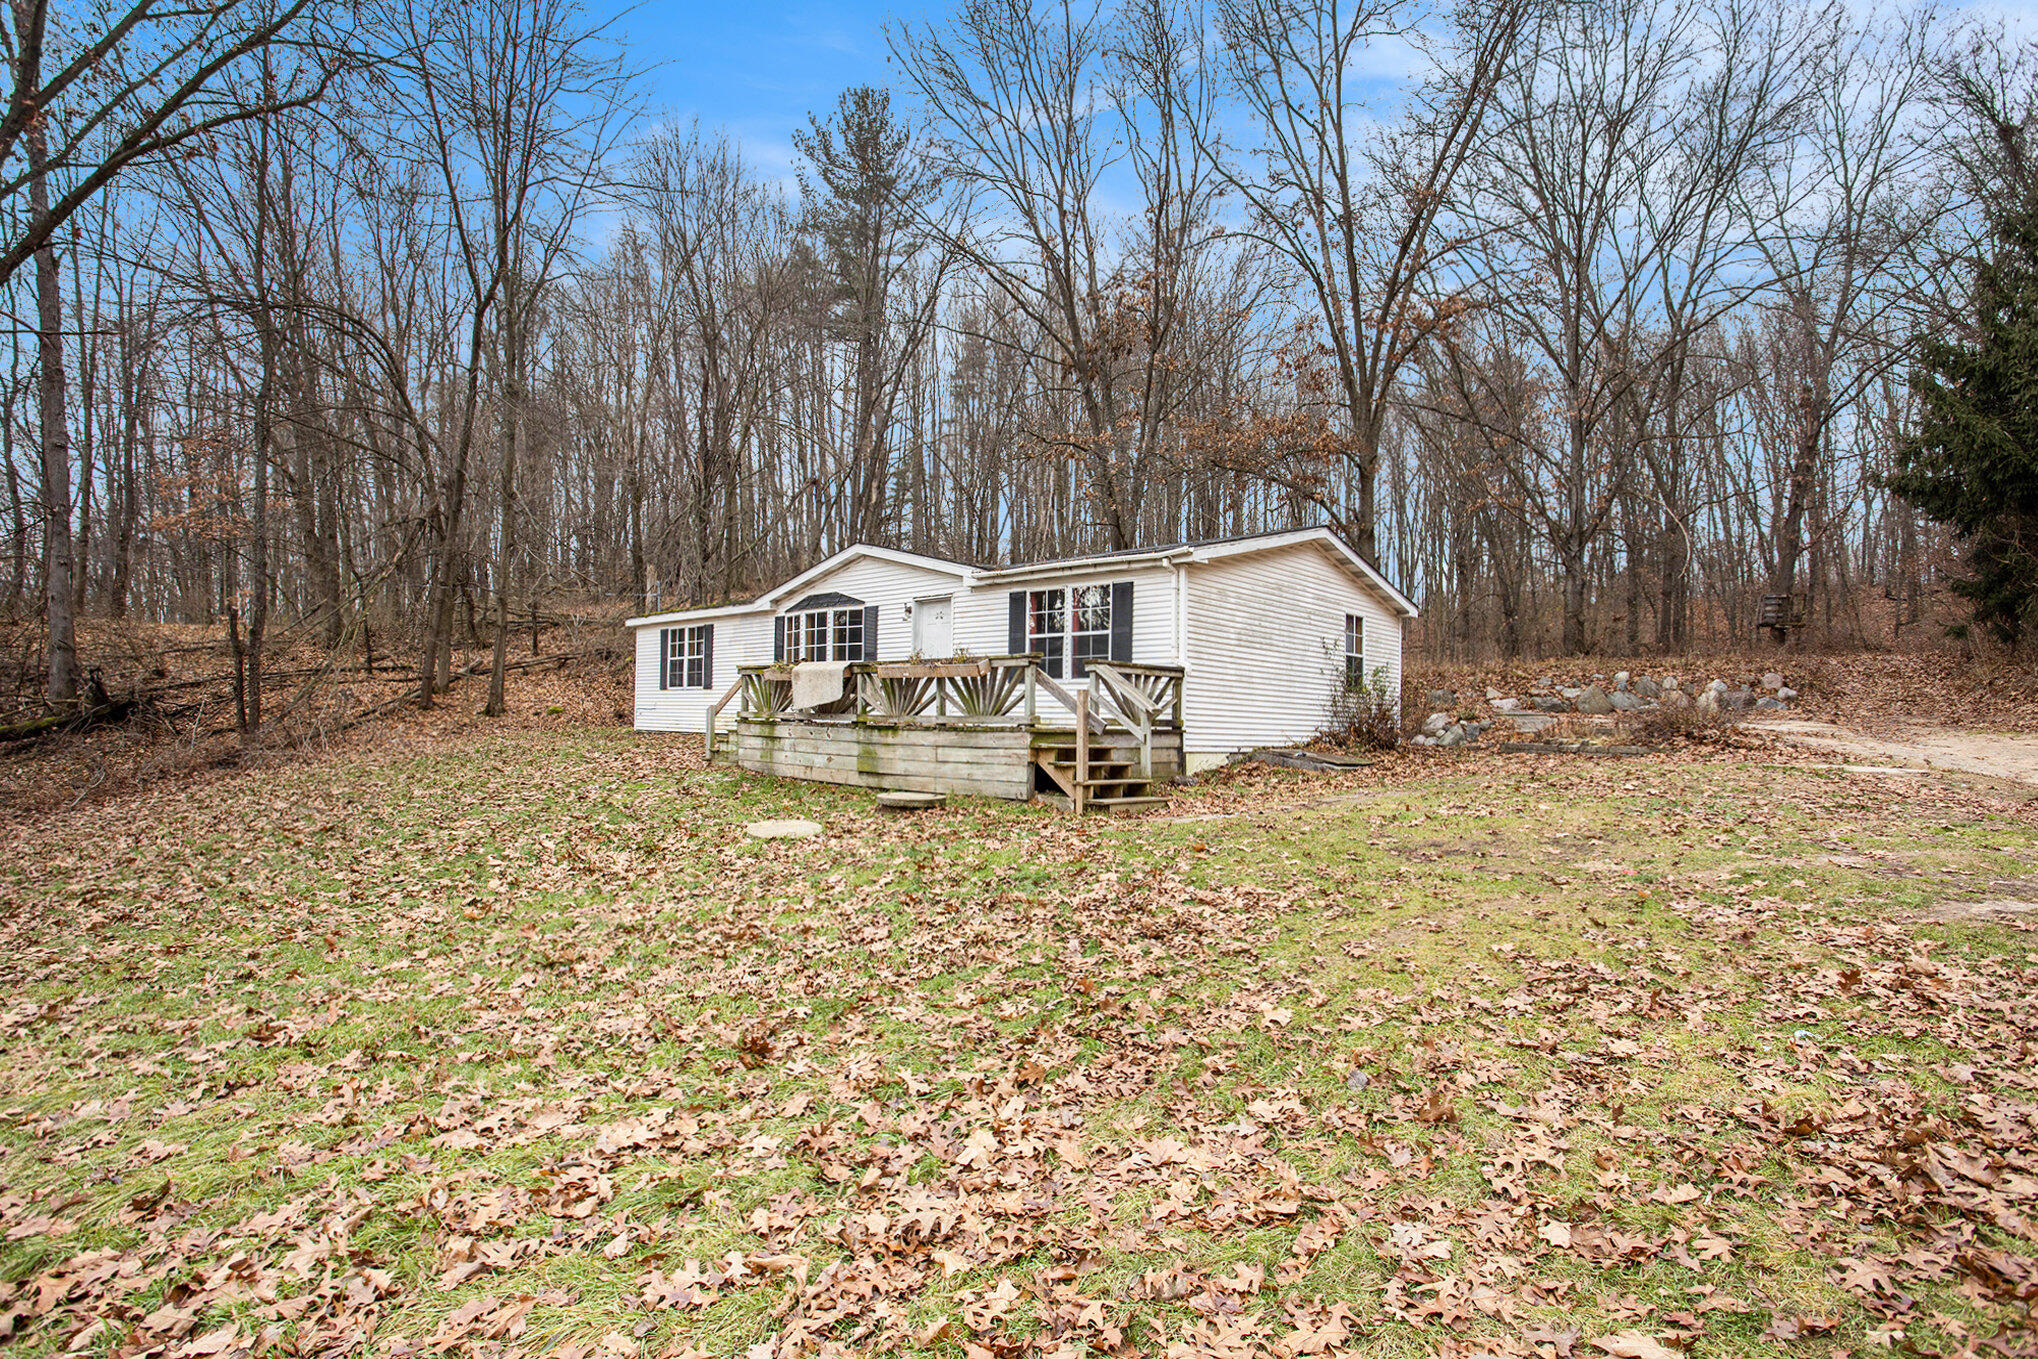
x=979, y=690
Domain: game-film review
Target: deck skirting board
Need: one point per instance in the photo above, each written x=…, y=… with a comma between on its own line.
x=933, y=758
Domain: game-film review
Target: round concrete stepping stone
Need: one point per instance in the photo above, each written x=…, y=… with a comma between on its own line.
x=901, y=801
x=793, y=829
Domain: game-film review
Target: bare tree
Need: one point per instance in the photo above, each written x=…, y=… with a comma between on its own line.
x=514, y=105
x=1353, y=210
x=132, y=83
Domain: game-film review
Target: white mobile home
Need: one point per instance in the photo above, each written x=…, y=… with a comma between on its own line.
x=1244, y=640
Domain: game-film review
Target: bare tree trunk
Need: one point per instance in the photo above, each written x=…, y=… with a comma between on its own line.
x=1790, y=533
x=59, y=568
x=511, y=430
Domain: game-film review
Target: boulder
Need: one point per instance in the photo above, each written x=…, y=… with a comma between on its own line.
x=1647, y=687
x=1574, y=694
x=1434, y=724
x=1786, y=693
x=1506, y=705
x=1772, y=681
x=1550, y=703
x=1454, y=736
x=1620, y=681
x=1708, y=701
x=1442, y=698
x=1671, y=684
x=1594, y=700
x=1769, y=704
x=1676, y=698
x=1738, y=700
x=1623, y=701
x=1493, y=695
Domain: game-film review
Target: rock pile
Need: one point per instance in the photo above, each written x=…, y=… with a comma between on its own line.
x=1453, y=722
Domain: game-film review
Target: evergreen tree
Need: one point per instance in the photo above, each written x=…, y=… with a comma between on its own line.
x=1972, y=461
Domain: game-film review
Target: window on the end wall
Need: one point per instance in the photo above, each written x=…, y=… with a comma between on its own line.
x=689, y=653
x=824, y=635
x=1355, y=651
x=1047, y=622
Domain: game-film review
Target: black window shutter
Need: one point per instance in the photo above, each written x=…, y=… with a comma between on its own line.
x=778, y=638
x=1121, y=620
x=869, y=632
x=708, y=656
x=1015, y=630
x=665, y=658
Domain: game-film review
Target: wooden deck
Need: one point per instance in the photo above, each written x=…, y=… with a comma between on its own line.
x=993, y=727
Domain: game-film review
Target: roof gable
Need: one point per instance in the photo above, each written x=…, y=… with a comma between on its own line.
x=860, y=551
x=1217, y=549
x=1327, y=541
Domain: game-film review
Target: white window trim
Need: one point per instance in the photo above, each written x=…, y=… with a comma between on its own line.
x=840, y=629
x=1071, y=630
x=687, y=656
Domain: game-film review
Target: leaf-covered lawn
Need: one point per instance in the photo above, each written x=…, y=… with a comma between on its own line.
x=523, y=1044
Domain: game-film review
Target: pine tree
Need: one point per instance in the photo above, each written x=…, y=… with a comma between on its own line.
x=1972, y=461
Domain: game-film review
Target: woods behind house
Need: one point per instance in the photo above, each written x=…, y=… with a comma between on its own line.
x=1591, y=322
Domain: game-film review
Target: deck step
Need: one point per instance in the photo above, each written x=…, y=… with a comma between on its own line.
x=1123, y=803
x=1097, y=742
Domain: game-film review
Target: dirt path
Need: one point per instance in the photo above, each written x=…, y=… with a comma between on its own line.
x=2014, y=758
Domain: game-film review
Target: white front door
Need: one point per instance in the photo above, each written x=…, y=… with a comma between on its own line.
x=933, y=633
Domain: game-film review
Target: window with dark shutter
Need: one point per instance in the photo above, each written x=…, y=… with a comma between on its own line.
x=1069, y=627
x=686, y=657
x=869, y=633
x=825, y=634
x=778, y=639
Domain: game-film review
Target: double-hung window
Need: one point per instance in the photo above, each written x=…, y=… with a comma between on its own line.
x=688, y=662
x=1355, y=651
x=1069, y=627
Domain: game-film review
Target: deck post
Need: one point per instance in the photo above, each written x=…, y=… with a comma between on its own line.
x=1082, y=748
x=1030, y=700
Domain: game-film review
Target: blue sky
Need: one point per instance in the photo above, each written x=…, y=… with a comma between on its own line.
x=754, y=67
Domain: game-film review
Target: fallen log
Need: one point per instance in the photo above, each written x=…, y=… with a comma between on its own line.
x=103, y=714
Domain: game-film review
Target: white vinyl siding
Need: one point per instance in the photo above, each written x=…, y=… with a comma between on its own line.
x=737, y=637
x=983, y=620
x=891, y=586
x=1267, y=646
